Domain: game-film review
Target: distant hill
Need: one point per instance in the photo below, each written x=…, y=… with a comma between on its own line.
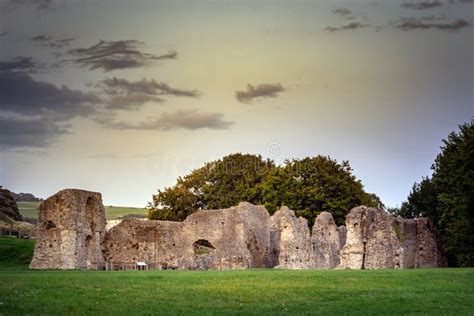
x=25, y=197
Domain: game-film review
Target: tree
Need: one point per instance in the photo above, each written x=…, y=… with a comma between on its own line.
x=448, y=197
x=218, y=184
x=453, y=177
x=308, y=186
x=421, y=202
x=313, y=185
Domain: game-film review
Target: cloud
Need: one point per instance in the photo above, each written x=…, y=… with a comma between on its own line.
x=115, y=85
x=422, y=5
x=3, y=34
x=113, y=55
x=37, y=132
x=19, y=64
x=38, y=4
x=265, y=90
x=49, y=41
x=41, y=38
x=342, y=11
x=424, y=24
x=33, y=113
x=350, y=26
x=125, y=94
x=31, y=97
x=191, y=119
x=131, y=101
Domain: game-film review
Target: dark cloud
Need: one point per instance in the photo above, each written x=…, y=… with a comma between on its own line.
x=342, y=11
x=31, y=97
x=117, y=85
x=3, y=34
x=350, y=26
x=60, y=43
x=49, y=41
x=132, y=101
x=41, y=38
x=181, y=119
x=37, y=132
x=124, y=94
x=33, y=113
x=423, y=24
x=18, y=64
x=38, y=4
x=421, y=5
x=266, y=90
x=113, y=55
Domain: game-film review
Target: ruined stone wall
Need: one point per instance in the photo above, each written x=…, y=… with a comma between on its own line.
x=70, y=231
x=296, y=248
x=71, y=234
x=234, y=238
x=376, y=239
x=326, y=242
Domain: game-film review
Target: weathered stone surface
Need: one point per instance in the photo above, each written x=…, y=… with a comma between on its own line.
x=72, y=234
x=376, y=239
x=326, y=242
x=291, y=240
x=233, y=238
x=342, y=231
x=70, y=231
x=8, y=205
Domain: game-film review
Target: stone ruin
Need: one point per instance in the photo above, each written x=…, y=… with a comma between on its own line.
x=71, y=234
x=70, y=231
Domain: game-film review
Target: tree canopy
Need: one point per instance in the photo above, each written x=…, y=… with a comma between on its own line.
x=447, y=198
x=308, y=186
x=218, y=184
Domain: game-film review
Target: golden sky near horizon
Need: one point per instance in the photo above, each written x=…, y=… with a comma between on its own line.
x=378, y=83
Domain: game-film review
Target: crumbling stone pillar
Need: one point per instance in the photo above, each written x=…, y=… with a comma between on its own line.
x=378, y=240
x=70, y=231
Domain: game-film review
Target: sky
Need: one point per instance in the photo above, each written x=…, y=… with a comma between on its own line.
x=122, y=97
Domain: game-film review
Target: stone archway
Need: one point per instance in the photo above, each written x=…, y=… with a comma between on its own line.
x=204, y=254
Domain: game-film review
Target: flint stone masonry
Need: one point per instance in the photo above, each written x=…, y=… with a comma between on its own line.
x=70, y=231
x=234, y=238
x=375, y=240
x=71, y=234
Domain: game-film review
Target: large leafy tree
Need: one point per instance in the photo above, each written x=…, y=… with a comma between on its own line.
x=313, y=185
x=422, y=202
x=448, y=197
x=308, y=186
x=453, y=178
x=218, y=184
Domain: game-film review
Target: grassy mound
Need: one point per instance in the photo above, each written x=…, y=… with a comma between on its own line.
x=16, y=253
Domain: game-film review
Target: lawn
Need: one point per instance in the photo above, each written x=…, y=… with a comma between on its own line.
x=30, y=209
x=424, y=291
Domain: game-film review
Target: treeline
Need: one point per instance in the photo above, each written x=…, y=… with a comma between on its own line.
x=25, y=197
x=308, y=186
x=447, y=197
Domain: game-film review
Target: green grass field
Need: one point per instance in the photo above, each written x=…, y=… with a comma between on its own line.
x=30, y=209
x=375, y=292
